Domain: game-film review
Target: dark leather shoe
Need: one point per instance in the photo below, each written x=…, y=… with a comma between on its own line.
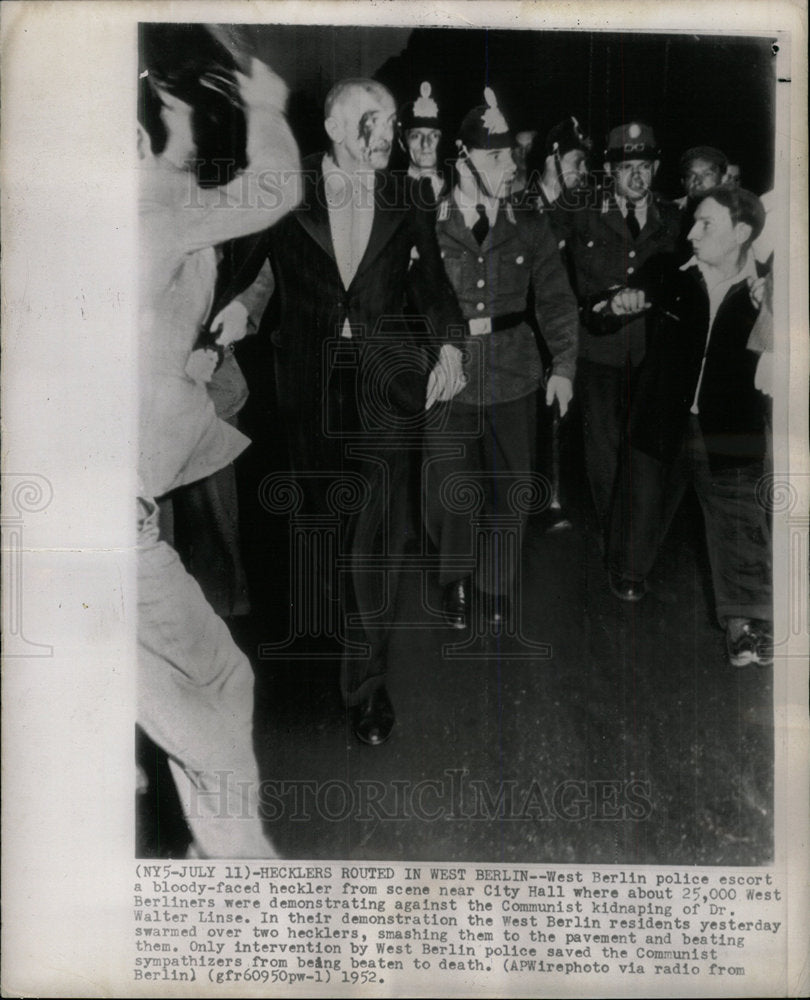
x=555, y=519
x=455, y=603
x=373, y=719
x=626, y=589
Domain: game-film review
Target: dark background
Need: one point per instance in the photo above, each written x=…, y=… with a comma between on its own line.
x=692, y=89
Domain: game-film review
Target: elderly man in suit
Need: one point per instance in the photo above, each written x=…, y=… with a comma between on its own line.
x=349, y=375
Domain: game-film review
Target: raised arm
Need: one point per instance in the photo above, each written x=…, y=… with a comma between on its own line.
x=265, y=192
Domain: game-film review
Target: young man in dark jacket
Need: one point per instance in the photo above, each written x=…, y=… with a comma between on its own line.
x=698, y=415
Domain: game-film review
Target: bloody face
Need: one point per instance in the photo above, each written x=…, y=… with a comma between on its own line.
x=367, y=132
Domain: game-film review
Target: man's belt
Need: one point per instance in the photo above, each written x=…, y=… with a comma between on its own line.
x=479, y=325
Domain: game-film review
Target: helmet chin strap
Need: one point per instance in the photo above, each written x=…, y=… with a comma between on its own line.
x=476, y=176
x=558, y=167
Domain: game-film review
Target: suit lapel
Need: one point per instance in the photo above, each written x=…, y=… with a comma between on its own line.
x=312, y=214
x=388, y=216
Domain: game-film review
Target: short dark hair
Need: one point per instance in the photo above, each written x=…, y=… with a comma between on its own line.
x=186, y=61
x=714, y=156
x=742, y=205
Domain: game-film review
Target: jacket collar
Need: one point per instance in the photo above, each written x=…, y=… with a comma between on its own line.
x=613, y=217
x=313, y=215
x=451, y=216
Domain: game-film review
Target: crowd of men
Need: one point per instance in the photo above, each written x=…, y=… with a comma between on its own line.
x=462, y=299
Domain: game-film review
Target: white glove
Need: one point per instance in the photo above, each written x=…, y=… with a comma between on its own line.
x=231, y=323
x=559, y=387
x=447, y=378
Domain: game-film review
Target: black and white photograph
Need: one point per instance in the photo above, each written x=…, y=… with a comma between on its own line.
x=422, y=534
x=498, y=552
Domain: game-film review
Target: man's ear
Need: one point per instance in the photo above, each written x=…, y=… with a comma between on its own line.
x=656, y=165
x=742, y=233
x=335, y=128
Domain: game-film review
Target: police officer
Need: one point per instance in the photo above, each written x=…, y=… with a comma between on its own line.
x=608, y=243
x=565, y=174
x=494, y=257
x=419, y=133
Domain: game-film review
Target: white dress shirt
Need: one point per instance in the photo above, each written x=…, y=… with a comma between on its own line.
x=350, y=203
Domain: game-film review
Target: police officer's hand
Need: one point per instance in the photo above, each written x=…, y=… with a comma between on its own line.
x=559, y=387
x=447, y=378
x=230, y=323
x=628, y=302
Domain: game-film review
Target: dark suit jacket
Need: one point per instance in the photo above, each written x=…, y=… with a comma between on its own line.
x=732, y=412
x=332, y=389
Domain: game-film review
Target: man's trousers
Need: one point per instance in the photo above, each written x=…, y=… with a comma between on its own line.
x=494, y=449
x=195, y=700
x=736, y=523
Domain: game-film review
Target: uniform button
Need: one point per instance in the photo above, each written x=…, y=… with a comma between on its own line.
x=480, y=260
x=590, y=243
x=630, y=270
x=480, y=283
x=442, y=254
x=632, y=253
x=480, y=307
x=519, y=260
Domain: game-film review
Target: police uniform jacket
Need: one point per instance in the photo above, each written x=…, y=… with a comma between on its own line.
x=518, y=256
x=605, y=256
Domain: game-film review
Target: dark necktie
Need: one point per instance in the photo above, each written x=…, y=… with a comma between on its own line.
x=632, y=221
x=481, y=227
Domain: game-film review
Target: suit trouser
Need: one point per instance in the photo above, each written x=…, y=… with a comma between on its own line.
x=195, y=700
x=496, y=443
x=604, y=394
x=203, y=519
x=736, y=523
x=375, y=538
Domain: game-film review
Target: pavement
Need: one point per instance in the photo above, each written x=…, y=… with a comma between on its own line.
x=594, y=732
